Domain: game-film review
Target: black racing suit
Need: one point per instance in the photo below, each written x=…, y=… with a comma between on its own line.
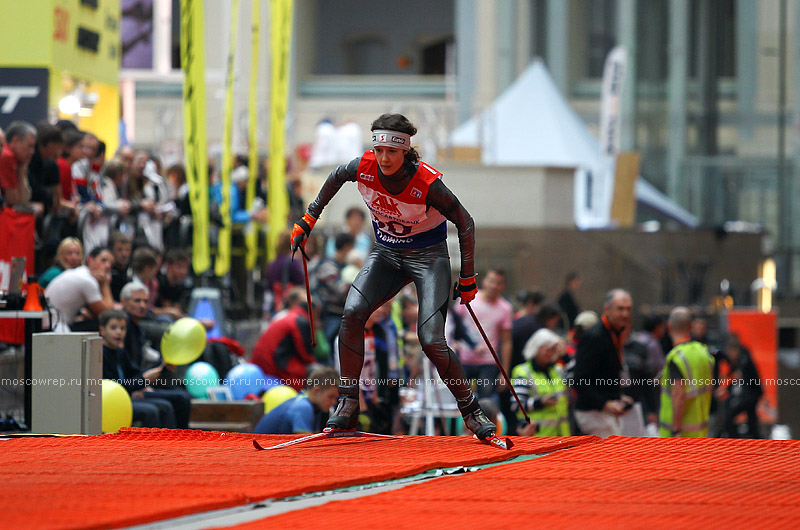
x=387, y=270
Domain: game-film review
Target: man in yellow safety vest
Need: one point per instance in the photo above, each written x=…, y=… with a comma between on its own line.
x=686, y=381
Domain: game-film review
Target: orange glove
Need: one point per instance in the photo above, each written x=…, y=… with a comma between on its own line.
x=467, y=289
x=301, y=231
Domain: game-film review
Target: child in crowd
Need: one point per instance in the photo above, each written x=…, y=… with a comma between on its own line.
x=306, y=412
x=148, y=411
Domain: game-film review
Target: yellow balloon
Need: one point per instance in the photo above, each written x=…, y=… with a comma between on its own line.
x=277, y=395
x=183, y=341
x=117, y=406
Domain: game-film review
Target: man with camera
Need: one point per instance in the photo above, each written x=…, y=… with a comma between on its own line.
x=600, y=369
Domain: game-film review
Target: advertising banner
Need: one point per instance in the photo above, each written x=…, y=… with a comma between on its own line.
x=23, y=95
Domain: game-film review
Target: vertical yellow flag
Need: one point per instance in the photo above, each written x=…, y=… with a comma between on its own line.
x=194, y=127
x=251, y=235
x=278, y=196
x=223, y=263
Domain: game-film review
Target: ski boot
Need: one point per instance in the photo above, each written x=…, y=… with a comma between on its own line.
x=485, y=430
x=480, y=425
x=345, y=417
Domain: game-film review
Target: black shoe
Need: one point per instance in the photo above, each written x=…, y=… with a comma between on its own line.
x=345, y=417
x=479, y=424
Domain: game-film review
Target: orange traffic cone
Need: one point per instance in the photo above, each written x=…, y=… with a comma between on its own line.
x=32, y=302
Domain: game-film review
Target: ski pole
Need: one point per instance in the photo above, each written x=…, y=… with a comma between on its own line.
x=308, y=297
x=496, y=358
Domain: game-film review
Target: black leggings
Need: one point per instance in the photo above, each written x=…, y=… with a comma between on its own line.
x=385, y=272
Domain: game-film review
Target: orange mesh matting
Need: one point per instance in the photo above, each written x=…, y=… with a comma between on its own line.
x=145, y=475
x=617, y=483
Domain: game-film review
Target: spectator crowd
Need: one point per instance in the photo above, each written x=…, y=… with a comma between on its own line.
x=112, y=254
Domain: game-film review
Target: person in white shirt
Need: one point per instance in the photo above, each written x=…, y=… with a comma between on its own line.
x=81, y=294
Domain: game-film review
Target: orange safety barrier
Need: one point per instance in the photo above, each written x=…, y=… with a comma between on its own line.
x=617, y=483
x=758, y=332
x=145, y=475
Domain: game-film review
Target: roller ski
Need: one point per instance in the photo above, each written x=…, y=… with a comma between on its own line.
x=342, y=424
x=498, y=442
x=486, y=431
x=325, y=434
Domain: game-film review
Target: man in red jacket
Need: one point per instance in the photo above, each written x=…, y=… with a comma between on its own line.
x=284, y=349
x=14, y=159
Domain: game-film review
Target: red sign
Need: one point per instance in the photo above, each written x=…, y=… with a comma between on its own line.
x=16, y=240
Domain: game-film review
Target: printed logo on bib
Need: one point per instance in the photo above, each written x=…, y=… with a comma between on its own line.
x=386, y=238
x=385, y=205
x=416, y=193
x=368, y=178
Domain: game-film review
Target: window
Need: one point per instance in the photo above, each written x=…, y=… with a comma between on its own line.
x=175, y=45
x=381, y=38
x=434, y=57
x=366, y=55
x=602, y=27
x=722, y=38
x=136, y=33
x=539, y=26
x=652, y=40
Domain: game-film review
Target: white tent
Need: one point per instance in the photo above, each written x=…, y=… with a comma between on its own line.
x=531, y=124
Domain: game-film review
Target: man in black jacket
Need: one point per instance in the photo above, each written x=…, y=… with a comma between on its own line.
x=599, y=370
x=743, y=393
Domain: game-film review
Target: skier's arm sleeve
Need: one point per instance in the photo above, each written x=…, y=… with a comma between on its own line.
x=344, y=173
x=441, y=198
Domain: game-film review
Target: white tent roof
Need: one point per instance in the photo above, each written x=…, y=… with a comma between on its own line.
x=531, y=124
x=648, y=195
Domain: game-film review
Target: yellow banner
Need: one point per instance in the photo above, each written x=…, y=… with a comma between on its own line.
x=194, y=127
x=254, y=230
x=223, y=263
x=281, y=21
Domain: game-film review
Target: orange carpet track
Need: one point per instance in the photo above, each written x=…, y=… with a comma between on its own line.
x=147, y=475
x=620, y=482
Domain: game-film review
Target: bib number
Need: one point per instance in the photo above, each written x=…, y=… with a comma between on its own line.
x=395, y=228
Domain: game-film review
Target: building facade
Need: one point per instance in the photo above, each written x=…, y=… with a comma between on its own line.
x=711, y=95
